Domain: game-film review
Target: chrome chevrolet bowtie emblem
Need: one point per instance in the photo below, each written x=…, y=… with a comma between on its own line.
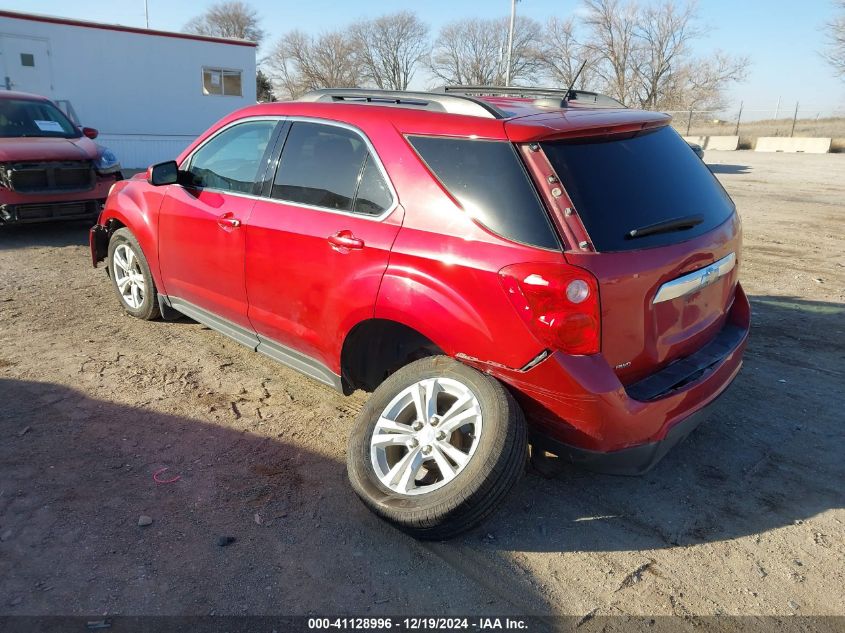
x=696, y=280
x=708, y=276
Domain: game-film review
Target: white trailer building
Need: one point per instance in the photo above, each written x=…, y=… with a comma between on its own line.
x=149, y=93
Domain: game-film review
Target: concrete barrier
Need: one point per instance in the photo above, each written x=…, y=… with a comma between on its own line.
x=784, y=144
x=719, y=143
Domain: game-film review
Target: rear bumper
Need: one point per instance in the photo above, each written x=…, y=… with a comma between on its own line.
x=578, y=409
x=635, y=460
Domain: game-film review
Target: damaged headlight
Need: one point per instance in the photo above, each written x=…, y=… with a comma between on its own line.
x=106, y=162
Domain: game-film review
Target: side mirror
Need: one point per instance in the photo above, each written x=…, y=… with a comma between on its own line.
x=163, y=174
x=90, y=132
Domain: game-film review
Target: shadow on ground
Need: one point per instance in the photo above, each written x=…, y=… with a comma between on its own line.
x=17, y=236
x=718, y=168
x=77, y=473
x=769, y=455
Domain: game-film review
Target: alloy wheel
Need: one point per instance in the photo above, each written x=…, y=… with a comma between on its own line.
x=426, y=436
x=128, y=276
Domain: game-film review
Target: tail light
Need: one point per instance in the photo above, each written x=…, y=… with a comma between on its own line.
x=558, y=302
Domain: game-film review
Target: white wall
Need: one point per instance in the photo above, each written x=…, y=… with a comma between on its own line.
x=142, y=91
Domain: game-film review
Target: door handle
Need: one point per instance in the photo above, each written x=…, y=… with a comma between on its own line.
x=228, y=222
x=345, y=239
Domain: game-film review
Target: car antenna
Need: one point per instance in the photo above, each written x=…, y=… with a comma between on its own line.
x=574, y=79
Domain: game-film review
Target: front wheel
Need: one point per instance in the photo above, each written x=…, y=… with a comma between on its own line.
x=436, y=448
x=130, y=274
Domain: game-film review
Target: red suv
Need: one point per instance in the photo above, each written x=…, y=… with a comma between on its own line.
x=50, y=169
x=465, y=259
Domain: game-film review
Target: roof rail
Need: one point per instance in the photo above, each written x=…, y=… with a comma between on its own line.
x=559, y=94
x=438, y=102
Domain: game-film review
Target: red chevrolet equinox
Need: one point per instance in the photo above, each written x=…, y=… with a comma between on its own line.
x=496, y=268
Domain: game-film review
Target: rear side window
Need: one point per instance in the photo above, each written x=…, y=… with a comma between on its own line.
x=373, y=196
x=330, y=167
x=489, y=181
x=619, y=184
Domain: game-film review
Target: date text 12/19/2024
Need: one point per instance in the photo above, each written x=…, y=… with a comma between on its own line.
x=419, y=624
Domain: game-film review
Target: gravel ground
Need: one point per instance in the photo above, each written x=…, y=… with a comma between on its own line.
x=745, y=517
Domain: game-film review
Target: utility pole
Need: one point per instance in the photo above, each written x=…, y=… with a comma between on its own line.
x=738, y=119
x=147, y=12
x=794, y=120
x=510, y=44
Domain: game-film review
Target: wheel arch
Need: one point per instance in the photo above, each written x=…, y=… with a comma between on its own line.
x=127, y=208
x=375, y=348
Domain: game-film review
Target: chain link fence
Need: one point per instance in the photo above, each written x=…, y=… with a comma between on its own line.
x=750, y=123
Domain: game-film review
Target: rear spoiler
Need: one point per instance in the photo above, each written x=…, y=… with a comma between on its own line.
x=570, y=124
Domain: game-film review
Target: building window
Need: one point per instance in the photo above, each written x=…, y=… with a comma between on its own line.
x=220, y=81
x=27, y=59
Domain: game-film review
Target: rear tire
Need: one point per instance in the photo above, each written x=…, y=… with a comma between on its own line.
x=130, y=275
x=466, y=471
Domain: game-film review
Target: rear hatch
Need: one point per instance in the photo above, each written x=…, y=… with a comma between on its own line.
x=663, y=241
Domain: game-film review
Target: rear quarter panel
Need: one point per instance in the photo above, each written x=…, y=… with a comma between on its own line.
x=442, y=278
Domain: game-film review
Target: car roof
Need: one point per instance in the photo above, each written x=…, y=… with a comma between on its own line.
x=26, y=96
x=520, y=120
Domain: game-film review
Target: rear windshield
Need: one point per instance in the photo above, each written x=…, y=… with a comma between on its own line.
x=619, y=184
x=22, y=117
x=489, y=181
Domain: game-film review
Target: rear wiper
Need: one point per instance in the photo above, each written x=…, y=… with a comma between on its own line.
x=667, y=226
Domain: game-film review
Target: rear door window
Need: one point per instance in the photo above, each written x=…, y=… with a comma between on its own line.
x=320, y=166
x=490, y=182
x=622, y=183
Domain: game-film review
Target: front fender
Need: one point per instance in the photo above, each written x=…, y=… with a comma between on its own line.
x=135, y=205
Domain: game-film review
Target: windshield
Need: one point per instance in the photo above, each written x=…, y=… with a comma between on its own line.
x=639, y=190
x=22, y=117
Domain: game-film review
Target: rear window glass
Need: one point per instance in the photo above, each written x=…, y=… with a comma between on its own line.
x=619, y=184
x=489, y=181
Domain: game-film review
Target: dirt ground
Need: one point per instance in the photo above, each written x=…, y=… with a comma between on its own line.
x=745, y=517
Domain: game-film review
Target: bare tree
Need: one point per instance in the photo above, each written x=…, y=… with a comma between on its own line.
x=664, y=32
x=473, y=52
x=228, y=19
x=701, y=83
x=560, y=55
x=300, y=62
x=669, y=76
x=643, y=56
x=835, y=52
x=612, y=28
x=390, y=48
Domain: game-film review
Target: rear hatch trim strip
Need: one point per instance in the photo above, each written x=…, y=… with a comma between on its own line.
x=695, y=280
